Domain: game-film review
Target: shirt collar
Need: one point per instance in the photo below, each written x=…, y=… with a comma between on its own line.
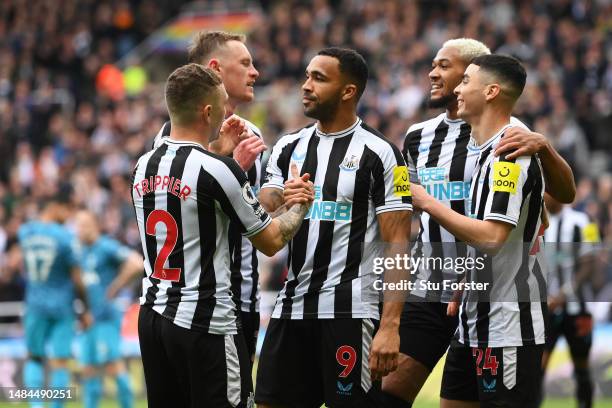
x=183, y=143
x=495, y=138
x=341, y=133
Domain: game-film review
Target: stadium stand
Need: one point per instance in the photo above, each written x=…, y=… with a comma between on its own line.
x=63, y=119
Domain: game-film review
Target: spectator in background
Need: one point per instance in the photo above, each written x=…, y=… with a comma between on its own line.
x=51, y=54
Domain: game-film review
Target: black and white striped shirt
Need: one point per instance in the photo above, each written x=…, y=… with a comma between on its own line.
x=185, y=198
x=357, y=174
x=441, y=156
x=569, y=236
x=244, y=264
x=511, y=312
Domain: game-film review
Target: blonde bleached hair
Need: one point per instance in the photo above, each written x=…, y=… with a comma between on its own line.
x=468, y=48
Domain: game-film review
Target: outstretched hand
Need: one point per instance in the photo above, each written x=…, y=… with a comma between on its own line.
x=298, y=190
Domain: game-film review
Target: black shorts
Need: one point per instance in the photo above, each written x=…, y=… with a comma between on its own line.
x=250, y=331
x=426, y=331
x=189, y=368
x=577, y=330
x=505, y=377
x=305, y=363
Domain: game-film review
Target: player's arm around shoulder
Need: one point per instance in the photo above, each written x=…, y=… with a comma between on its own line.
x=520, y=141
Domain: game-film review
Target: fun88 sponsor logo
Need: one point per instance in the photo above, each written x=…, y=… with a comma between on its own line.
x=434, y=179
x=329, y=210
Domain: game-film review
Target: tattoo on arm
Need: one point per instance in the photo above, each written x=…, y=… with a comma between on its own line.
x=279, y=211
x=272, y=200
x=290, y=221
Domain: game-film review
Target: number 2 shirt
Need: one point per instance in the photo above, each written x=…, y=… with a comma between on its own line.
x=185, y=198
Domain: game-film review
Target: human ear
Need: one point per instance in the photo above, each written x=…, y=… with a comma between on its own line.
x=206, y=113
x=214, y=65
x=349, y=91
x=491, y=91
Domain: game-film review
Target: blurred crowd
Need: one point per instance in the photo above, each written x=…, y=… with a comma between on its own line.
x=58, y=125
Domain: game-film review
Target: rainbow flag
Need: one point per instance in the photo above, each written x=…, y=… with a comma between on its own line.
x=176, y=36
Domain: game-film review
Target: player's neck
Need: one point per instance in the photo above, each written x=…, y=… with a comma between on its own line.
x=198, y=135
x=46, y=217
x=341, y=121
x=488, y=124
x=49, y=217
x=451, y=111
x=230, y=108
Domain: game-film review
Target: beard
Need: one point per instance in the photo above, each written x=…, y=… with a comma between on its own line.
x=323, y=111
x=442, y=102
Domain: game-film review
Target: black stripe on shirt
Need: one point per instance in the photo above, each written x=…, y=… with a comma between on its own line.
x=532, y=187
x=323, y=250
x=464, y=307
x=299, y=243
x=411, y=145
x=284, y=158
x=235, y=247
x=458, y=162
x=175, y=260
x=483, y=306
x=577, y=240
x=359, y=222
x=207, y=223
x=148, y=204
x=255, y=280
x=434, y=229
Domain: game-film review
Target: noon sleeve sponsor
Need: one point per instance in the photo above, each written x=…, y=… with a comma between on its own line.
x=506, y=177
x=507, y=181
x=396, y=183
x=401, y=182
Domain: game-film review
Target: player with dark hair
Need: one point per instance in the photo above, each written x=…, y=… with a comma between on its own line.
x=441, y=157
x=185, y=198
x=227, y=54
x=321, y=345
x=571, y=243
x=501, y=329
x=53, y=277
x=107, y=266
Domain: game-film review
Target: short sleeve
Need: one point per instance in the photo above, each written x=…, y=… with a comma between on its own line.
x=273, y=177
x=412, y=170
x=510, y=181
x=232, y=190
x=391, y=184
